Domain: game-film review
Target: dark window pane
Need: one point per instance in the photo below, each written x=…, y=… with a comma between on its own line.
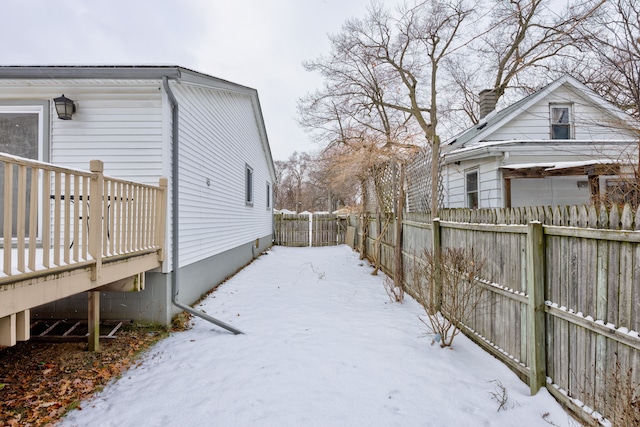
x=472, y=181
x=472, y=200
x=249, y=185
x=19, y=137
x=560, y=132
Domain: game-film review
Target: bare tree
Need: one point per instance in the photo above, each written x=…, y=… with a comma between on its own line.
x=292, y=174
x=610, y=63
x=383, y=71
x=525, y=34
x=306, y=182
x=521, y=43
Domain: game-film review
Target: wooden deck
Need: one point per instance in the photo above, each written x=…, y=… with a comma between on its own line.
x=72, y=231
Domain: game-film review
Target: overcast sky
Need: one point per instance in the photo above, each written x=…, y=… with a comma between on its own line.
x=256, y=43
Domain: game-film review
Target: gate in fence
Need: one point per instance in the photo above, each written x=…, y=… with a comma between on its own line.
x=309, y=229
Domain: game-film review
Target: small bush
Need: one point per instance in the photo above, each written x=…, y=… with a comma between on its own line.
x=623, y=397
x=395, y=293
x=499, y=394
x=446, y=286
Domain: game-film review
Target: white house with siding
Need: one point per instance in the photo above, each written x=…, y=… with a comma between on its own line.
x=204, y=134
x=562, y=145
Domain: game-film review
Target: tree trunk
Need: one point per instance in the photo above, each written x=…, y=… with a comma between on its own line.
x=435, y=175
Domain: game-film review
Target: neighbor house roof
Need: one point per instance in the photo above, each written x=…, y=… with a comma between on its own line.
x=480, y=132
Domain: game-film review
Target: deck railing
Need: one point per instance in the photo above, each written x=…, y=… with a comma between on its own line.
x=55, y=217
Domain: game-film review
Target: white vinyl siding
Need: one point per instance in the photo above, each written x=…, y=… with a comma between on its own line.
x=455, y=187
x=550, y=191
x=121, y=125
x=589, y=122
x=127, y=125
x=489, y=185
x=219, y=137
x=118, y=122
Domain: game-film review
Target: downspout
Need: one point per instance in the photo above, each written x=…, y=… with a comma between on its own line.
x=174, y=220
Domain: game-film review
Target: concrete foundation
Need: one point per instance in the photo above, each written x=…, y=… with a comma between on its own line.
x=153, y=304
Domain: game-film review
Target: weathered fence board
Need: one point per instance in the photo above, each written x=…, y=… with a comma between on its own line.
x=590, y=285
x=295, y=229
x=291, y=229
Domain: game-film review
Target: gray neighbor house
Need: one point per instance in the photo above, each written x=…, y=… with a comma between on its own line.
x=562, y=145
x=204, y=135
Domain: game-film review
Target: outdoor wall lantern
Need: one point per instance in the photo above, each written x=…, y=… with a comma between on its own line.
x=64, y=107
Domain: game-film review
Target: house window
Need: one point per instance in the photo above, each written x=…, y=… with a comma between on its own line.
x=471, y=189
x=268, y=196
x=23, y=132
x=248, y=185
x=561, y=122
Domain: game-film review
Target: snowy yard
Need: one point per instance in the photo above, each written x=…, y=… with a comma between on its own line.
x=322, y=346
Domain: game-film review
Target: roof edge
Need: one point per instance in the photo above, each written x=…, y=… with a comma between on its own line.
x=89, y=71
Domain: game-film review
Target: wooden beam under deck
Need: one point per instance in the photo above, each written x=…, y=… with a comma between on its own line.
x=21, y=295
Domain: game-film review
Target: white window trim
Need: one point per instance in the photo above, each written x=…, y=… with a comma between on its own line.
x=31, y=107
x=269, y=195
x=569, y=107
x=248, y=185
x=466, y=190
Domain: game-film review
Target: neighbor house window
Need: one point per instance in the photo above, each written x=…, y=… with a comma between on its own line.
x=561, y=122
x=268, y=196
x=248, y=187
x=471, y=187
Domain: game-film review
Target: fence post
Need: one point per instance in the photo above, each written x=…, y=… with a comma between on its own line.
x=536, y=314
x=364, y=224
x=378, y=247
x=436, y=249
x=398, y=268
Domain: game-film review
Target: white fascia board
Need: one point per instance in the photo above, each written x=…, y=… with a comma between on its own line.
x=534, y=147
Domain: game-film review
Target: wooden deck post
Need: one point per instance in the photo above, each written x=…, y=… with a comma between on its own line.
x=161, y=217
x=8, y=216
x=95, y=250
x=23, y=325
x=536, y=314
x=8, y=330
x=95, y=214
x=93, y=322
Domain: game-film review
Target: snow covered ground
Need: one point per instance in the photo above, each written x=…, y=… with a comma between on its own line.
x=322, y=346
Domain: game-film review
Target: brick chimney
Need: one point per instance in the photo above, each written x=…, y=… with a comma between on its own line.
x=487, y=102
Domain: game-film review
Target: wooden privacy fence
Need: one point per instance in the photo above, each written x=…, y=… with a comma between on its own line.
x=298, y=229
x=561, y=305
